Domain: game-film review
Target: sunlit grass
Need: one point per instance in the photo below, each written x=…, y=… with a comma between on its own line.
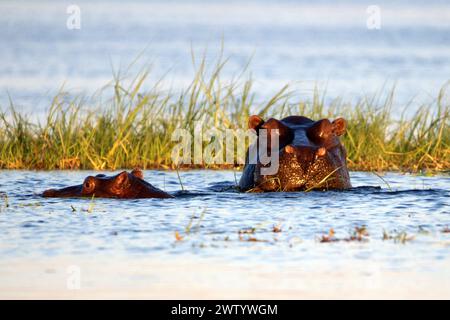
x=134, y=126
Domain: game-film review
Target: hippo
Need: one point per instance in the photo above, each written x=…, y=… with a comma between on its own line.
x=124, y=185
x=310, y=156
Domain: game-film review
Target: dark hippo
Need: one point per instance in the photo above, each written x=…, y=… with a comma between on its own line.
x=310, y=156
x=123, y=186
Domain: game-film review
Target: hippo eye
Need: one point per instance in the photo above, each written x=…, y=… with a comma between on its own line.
x=89, y=184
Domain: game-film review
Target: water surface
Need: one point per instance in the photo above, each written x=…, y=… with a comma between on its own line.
x=417, y=205
x=217, y=255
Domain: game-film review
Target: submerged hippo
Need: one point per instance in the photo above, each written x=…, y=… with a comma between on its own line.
x=310, y=156
x=123, y=186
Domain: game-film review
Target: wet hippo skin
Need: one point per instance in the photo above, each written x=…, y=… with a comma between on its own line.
x=123, y=186
x=311, y=156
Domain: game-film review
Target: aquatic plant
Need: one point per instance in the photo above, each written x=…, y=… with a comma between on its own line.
x=397, y=236
x=358, y=234
x=4, y=204
x=134, y=124
x=190, y=227
x=329, y=237
x=277, y=228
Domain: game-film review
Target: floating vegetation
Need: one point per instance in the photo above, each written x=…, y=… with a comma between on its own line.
x=247, y=234
x=330, y=237
x=190, y=227
x=251, y=239
x=247, y=231
x=358, y=234
x=423, y=231
x=90, y=209
x=178, y=237
x=5, y=200
x=398, y=237
x=277, y=228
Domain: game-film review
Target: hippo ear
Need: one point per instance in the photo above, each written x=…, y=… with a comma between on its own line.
x=339, y=126
x=137, y=172
x=321, y=130
x=285, y=134
x=121, y=178
x=254, y=122
x=283, y=130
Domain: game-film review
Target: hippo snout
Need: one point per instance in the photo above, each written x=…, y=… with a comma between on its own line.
x=49, y=193
x=306, y=152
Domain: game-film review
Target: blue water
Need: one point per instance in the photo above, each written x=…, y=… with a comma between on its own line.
x=41, y=227
x=323, y=43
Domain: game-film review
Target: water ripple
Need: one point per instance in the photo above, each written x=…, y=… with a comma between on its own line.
x=212, y=219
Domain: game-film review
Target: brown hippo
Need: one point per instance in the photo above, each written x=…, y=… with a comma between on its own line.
x=123, y=186
x=310, y=156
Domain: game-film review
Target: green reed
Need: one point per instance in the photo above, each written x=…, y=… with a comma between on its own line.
x=134, y=124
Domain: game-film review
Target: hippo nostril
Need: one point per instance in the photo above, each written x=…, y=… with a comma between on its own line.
x=321, y=152
x=289, y=149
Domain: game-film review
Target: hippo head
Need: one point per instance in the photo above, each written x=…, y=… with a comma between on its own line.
x=123, y=185
x=310, y=155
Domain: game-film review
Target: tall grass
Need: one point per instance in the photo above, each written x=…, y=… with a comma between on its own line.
x=134, y=126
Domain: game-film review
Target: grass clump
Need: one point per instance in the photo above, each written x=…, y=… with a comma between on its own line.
x=398, y=237
x=134, y=126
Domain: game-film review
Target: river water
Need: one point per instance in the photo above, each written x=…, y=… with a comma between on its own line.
x=215, y=223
